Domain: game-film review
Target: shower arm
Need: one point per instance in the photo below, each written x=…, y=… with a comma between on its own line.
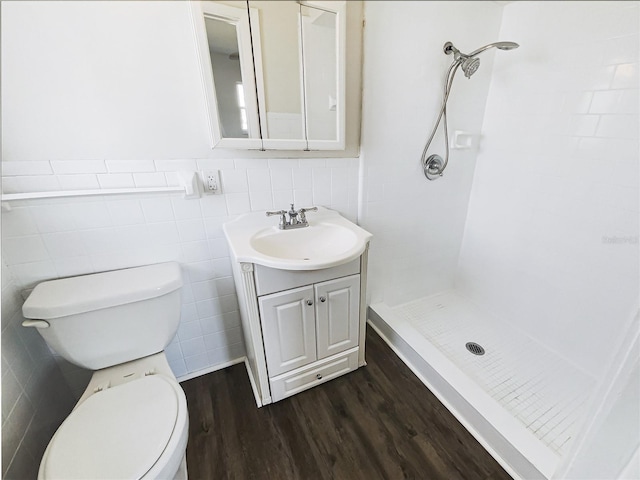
x=443, y=112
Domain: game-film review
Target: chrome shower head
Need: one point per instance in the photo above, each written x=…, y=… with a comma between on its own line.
x=498, y=45
x=470, y=66
x=506, y=45
x=468, y=62
x=449, y=48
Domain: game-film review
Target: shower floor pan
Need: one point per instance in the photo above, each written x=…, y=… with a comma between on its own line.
x=521, y=401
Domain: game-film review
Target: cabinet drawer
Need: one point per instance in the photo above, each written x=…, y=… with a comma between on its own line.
x=271, y=280
x=303, y=378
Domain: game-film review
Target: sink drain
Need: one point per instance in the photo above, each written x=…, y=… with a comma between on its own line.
x=474, y=348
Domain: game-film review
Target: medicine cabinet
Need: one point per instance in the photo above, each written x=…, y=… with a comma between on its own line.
x=273, y=73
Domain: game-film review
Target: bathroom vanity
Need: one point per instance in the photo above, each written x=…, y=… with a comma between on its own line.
x=301, y=293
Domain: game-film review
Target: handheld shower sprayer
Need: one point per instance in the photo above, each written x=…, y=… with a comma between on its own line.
x=434, y=165
x=468, y=62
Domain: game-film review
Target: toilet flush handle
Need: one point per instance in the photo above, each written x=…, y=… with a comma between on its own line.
x=36, y=323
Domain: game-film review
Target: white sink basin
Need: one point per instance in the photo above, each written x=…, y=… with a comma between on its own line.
x=320, y=240
x=329, y=240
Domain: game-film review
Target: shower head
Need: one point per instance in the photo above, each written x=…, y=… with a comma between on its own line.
x=498, y=45
x=506, y=45
x=449, y=49
x=470, y=66
x=468, y=62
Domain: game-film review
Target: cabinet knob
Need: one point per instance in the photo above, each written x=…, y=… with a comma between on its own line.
x=309, y=302
x=323, y=299
x=319, y=377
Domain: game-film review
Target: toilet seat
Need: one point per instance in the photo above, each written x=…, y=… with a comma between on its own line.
x=121, y=432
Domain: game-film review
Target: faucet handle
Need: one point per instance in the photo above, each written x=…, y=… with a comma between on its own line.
x=308, y=209
x=283, y=218
x=303, y=212
x=278, y=212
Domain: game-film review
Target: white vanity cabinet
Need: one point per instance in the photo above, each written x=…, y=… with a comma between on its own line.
x=301, y=328
x=309, y=323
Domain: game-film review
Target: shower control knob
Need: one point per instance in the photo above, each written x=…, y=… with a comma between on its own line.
x=323, y=299
x=309, y=302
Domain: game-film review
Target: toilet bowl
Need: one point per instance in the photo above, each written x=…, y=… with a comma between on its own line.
x=132, y=421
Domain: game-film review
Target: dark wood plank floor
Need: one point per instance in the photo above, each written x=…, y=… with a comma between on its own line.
x=377, y=422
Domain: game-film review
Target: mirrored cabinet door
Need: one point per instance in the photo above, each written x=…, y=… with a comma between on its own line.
x=278, y=49
x=324, y=99
x=273, y=72
x=223, y=40
x=228, y=84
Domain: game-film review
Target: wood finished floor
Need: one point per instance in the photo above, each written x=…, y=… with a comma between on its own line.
x=379, y=422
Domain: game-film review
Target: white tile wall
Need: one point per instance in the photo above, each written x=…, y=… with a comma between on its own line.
x=35, y=396
x=551, y=240
x=50, y=238
x=61, y=167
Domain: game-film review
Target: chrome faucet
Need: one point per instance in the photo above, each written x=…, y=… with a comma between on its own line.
x=297, y=218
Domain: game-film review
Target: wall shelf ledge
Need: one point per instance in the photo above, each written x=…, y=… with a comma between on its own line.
x=7, y=197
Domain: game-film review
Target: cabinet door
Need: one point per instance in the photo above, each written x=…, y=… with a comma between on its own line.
x=337, y=315
x=288, y=329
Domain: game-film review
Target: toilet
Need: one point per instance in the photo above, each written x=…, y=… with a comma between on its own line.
x=131, y=422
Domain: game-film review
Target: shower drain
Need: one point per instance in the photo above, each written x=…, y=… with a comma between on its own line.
x=474, y=348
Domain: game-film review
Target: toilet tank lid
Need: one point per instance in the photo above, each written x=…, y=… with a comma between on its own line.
x=74, y=295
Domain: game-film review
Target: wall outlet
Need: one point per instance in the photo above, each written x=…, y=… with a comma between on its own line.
x=211, y=182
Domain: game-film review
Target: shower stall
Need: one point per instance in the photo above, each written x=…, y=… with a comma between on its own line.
x=510, y=285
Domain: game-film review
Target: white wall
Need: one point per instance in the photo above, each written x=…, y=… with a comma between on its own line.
x=96, y=80
x=418, y=224
x=551, y=240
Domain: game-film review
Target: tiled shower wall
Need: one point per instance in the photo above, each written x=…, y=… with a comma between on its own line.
x=551, y=240
x=35, y=397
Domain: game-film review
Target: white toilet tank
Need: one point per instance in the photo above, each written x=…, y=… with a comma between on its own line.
x=104, y=319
